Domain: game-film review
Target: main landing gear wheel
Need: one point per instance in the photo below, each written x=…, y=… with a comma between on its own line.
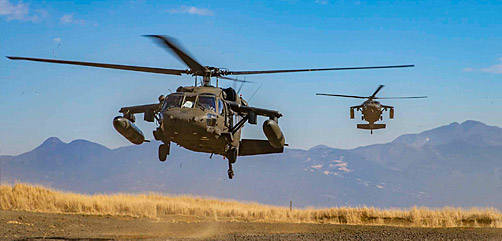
x=163, y=152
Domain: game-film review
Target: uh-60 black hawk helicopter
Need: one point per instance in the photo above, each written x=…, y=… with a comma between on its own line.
x=203, y=118
x=372, y=110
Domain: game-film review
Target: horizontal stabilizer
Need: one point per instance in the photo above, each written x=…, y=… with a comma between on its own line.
x=370, y=127
x=257, y=147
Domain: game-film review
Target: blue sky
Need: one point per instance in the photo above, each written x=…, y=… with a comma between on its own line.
x=456, y=47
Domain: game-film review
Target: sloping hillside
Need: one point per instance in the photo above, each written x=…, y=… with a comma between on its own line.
x=457, y=164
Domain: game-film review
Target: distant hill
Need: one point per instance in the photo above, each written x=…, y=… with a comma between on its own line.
x=457, y=164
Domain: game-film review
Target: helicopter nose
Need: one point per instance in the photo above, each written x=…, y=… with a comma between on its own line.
x=184, y=121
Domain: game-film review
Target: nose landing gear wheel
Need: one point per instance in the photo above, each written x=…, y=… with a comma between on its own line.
x=163, y=152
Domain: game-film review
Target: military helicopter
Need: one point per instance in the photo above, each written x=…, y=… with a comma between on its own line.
x=372, y=110
x=202, y=118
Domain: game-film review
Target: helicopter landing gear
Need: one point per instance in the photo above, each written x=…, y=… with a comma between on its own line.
x=230, y=170
x=232, y=158
x=164, y=151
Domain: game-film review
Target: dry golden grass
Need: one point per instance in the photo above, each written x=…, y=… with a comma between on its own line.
x=28, y=197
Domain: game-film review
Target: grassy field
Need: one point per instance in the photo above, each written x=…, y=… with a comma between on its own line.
x=27, y=197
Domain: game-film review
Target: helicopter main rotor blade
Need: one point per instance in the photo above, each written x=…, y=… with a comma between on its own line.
x=235, y=79
x=346, y=96
x=108, y=66
x=168, y=42
x=311, y=70
x=376, y=91
x=406, y=97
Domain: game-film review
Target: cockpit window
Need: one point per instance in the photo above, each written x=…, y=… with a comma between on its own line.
x=207, y=102
x=220, y=106
x=189, y=102
x=172, y=101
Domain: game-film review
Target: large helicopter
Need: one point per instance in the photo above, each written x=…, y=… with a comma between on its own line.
x=372, y=110
x=202, y=118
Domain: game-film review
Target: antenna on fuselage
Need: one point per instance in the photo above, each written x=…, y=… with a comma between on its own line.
x=256, y=91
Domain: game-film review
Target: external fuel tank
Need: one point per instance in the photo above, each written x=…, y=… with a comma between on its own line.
x=273, y=133
x=128, y=130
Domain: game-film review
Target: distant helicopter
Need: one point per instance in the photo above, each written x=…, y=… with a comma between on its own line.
x=203, y=118
x=372, y=110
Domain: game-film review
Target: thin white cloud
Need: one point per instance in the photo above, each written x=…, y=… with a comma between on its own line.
x=67, y=18
x=57, y=40
x=321, y=2
x=494, y=69
x=70, y=19
x=19, y=11
x=192, y=11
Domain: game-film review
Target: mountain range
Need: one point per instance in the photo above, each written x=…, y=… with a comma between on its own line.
x=452, y=165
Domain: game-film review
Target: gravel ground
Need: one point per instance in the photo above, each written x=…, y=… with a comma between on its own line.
x=19, y=225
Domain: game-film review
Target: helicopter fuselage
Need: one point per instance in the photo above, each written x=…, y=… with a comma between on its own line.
x=204, y=119
x=372, y=111
x=197, y=119
x=189, y=129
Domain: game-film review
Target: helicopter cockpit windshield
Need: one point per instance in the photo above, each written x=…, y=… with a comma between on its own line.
x=207, y=102
x=189, y=101
x=204, y=101
x=172, y=101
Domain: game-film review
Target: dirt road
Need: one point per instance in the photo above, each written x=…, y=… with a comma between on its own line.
x=18, y=225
